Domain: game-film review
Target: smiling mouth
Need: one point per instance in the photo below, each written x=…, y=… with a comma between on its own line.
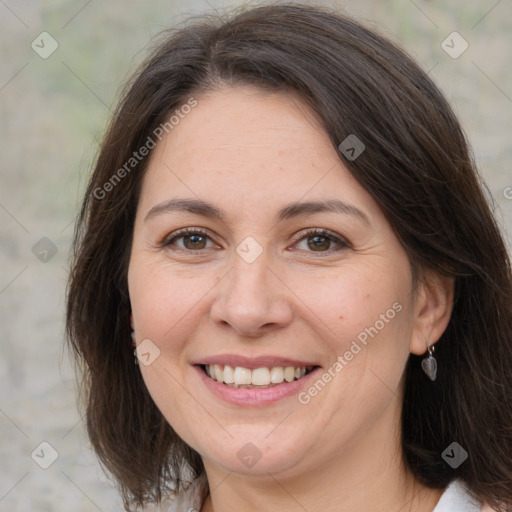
x=258, y=378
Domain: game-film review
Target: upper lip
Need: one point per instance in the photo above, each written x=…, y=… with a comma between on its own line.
x=252, y=362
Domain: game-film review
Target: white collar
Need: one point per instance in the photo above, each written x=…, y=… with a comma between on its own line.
x=456, y=498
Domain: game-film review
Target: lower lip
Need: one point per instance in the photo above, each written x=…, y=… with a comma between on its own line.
x=255, y=397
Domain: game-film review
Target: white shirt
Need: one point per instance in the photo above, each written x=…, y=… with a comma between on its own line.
x=455, y=498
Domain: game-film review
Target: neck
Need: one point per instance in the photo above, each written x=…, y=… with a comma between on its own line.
x=273, y=495
x=368, y=475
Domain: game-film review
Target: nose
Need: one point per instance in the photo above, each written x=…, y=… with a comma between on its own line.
x=252, y=299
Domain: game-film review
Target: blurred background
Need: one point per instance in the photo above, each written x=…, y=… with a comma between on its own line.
x=62, y=64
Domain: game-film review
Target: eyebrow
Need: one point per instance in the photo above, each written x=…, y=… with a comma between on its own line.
x=329, y=205
x=301, y=208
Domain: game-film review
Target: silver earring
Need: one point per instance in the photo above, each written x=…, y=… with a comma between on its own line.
x=136, y=359
x=429, y=364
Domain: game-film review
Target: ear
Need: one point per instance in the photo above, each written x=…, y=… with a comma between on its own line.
x=432, y=310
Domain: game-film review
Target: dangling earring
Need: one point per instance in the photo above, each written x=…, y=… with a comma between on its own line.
x=136, y=359
x=429, y=364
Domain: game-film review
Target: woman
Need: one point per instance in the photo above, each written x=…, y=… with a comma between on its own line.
x=286, y=218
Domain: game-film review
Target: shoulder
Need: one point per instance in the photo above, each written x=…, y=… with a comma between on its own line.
x=189, y=500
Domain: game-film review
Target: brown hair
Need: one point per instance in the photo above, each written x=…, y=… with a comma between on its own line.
x=418, y=168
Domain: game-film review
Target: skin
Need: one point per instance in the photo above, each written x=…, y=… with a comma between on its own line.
x=251, y=152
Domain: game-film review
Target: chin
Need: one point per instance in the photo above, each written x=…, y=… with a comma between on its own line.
x=258, y=457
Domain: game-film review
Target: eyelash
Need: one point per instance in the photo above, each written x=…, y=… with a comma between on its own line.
x=325, y=233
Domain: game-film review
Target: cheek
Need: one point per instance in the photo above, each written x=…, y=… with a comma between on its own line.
x=166, y=301
x=354, y=299
x=167, y=305
x=181, y=409
x=367, y=311
x=369, y=321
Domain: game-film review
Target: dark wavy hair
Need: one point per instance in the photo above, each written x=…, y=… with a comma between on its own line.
x=417, y=166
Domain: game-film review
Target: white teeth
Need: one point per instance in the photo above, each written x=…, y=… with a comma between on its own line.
x=277, y=375
x=289, y=373
x=240, y=376
x=229, y=374
x=261, y=377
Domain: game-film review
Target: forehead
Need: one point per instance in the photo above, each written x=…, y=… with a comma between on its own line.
x=248, y=143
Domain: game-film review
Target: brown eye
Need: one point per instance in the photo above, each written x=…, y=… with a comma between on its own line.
x=320, y=241
x=194, y=241
x=188, y=240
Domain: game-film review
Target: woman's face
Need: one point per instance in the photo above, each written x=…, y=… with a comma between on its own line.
x=251, y=287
